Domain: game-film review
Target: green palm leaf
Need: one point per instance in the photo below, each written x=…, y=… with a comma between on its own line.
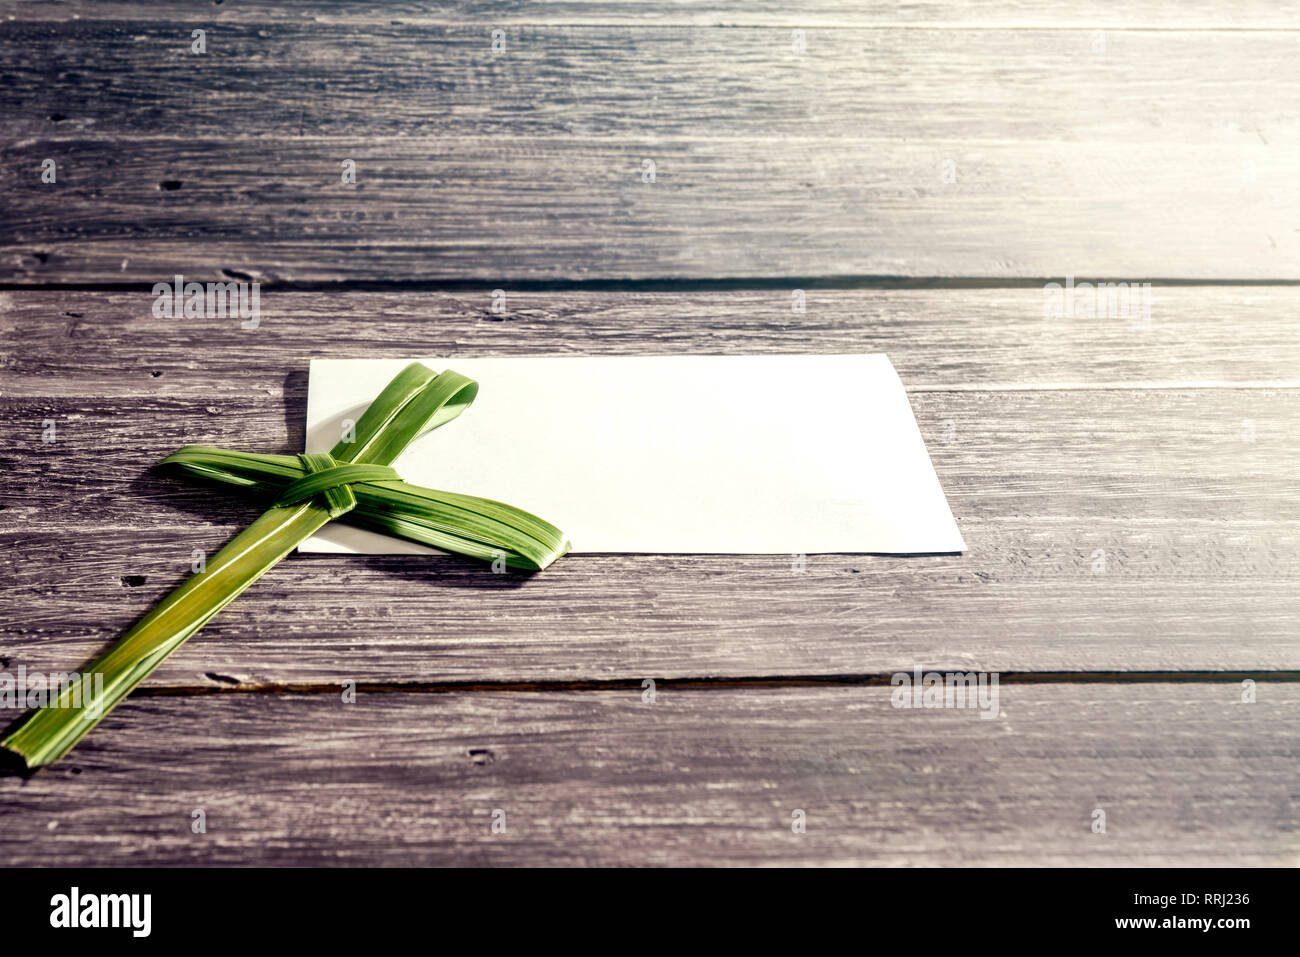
x=354, y=482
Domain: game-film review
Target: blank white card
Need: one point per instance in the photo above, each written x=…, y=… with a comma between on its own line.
x=703, y=454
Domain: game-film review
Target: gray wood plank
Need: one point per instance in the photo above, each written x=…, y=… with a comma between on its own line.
x=1145, y=455
x=1029, y=596
x=108, y=344
x=1186, y=774
x=1009, y=14
x=529, y=164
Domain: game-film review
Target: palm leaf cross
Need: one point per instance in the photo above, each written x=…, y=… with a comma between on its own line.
x=354, y=480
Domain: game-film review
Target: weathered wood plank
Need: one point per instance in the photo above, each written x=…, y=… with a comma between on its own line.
x=108, y=344
x=1009, y=14
x=409, y=81
x=879, y=152
x=1029, y=596
x=1142, y=455
x=1107, y=530
x=1186, y=774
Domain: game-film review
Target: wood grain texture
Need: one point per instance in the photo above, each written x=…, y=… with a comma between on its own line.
x=1209, y=597
x=1185, y=773
x=1168, y=155
x=352, y=83
x=936, y=14
x=1059, y=442
x=99, y=345
x=1143, y=455
x=1127, y=488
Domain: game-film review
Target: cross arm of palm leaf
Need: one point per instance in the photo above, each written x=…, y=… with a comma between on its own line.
x=465, y=524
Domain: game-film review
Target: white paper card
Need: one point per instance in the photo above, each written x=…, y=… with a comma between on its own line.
x=704, y=454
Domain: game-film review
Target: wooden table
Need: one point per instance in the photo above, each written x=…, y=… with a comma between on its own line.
x=664, y=178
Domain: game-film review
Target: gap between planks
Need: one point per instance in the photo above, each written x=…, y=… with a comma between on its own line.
x=665, y=284
x=758, y=682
